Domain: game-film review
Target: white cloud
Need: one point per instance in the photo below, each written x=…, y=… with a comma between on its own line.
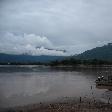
x=27, y=43
x=77, y=25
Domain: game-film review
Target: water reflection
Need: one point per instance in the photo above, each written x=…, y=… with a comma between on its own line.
x=44, y=84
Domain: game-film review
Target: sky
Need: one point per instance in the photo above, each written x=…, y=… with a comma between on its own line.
x=31, y=26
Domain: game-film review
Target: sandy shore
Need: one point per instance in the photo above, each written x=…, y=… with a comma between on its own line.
x=68, y=105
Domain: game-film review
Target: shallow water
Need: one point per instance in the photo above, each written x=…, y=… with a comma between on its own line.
x=21, y=85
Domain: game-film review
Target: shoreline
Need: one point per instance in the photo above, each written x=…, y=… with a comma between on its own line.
x=66, y=105
x=82, y=66
x=61, y=66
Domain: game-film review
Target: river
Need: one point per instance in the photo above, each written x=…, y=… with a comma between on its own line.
x=22, y=85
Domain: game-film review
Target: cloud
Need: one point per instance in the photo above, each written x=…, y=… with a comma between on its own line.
x=76, y=25
x=27, y=44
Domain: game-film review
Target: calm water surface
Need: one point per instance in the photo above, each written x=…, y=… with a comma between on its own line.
x=21, y=85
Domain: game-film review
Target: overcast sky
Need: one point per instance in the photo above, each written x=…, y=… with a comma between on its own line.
x=73, y=25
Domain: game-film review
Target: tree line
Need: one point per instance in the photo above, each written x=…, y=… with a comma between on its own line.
x=74, y=62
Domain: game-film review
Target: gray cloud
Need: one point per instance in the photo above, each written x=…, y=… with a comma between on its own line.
x=74, y=25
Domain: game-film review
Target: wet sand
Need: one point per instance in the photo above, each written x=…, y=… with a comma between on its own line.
x=67, y=105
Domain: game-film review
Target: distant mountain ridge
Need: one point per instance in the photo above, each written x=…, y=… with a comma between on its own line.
x=100, y=53
x=24, y=58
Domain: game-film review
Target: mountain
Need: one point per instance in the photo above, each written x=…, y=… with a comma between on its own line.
x=101, y=53
x=24, y=58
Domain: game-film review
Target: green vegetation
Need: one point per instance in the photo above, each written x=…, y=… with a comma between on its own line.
x=22, y=63
x=64, y=62
x=74, y=62
x=99, y=53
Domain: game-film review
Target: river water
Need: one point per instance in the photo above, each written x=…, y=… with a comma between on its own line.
x=21, y=85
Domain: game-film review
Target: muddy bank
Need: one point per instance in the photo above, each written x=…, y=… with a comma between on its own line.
x=65, y=105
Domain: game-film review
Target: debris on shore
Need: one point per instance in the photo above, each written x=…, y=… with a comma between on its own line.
x=80, y=105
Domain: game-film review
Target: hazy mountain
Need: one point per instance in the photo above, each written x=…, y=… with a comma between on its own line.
x=102, y=53
x=24, y=58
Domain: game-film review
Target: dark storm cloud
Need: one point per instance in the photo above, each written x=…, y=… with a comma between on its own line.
x=75, y=25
